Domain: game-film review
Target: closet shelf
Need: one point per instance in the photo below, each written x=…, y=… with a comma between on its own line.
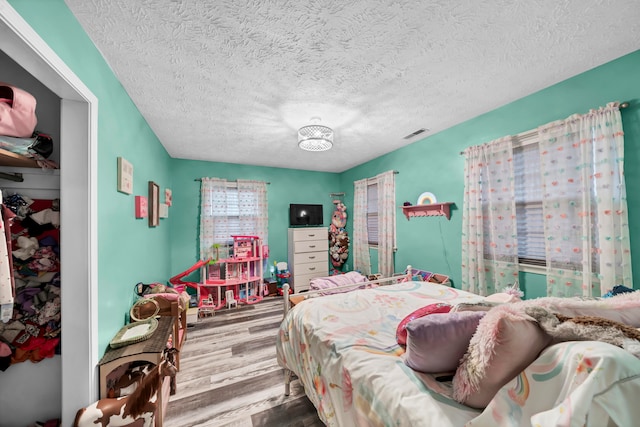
x=433, y=209
x=7, y=158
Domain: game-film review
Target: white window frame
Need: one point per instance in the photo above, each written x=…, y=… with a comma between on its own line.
x=232, y=188
x=521, y=140
x=373, y=213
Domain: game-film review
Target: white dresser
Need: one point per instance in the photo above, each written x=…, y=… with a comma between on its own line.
x=308, y=255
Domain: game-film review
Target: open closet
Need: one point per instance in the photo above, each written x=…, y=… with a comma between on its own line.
x=26, y=189
x=55, y=387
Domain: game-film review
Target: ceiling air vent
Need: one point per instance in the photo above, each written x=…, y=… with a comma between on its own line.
x=418, y=132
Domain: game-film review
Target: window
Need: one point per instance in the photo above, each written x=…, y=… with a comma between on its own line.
x=372, y=213
x=553, y=201
x=528, y=198
x=229, y=209
x=227, y=219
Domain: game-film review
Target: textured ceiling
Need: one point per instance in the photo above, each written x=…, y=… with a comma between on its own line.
x=233, y=80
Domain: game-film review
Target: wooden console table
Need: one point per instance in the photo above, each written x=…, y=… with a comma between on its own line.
x=149, y=350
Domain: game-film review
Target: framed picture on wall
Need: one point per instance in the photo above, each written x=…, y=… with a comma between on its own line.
x=125, y=176
x=154, y=204
x=141, y=207
x=164, y=210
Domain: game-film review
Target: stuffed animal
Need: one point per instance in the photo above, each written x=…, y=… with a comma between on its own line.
x=586, y=328
x=339, y=218
x=338, y=237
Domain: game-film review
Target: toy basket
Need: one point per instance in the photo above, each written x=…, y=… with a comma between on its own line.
x=144, y=308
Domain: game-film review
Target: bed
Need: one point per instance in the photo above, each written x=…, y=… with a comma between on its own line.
x=343, y=348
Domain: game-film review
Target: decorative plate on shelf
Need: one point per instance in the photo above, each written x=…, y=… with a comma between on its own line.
x=426, y=198
x=134, y=332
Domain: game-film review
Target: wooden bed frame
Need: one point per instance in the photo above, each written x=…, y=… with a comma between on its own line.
x=290, y=300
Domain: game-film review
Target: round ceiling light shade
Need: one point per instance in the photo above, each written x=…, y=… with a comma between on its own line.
x=315, y=138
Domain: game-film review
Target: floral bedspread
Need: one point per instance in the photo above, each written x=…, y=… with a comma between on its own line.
x=343, y=349
x=577, y=383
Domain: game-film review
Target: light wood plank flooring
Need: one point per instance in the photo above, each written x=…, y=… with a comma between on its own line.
x=229, y=375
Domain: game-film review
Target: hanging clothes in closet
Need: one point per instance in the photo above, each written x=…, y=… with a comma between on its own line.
x=7, y=285
x=33, y=333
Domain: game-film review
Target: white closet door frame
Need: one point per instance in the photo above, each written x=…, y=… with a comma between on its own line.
x=78, y=204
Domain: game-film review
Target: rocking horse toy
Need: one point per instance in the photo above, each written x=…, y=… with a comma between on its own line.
x=141, y=404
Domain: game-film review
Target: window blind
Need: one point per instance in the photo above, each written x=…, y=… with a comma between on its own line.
x=528, y=195
x=372, y=213
x=226, y=211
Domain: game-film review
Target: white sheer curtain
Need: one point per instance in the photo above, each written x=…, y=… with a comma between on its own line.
x=585, y=206
x=213, y=215
x=386, y=222
x=361, y=260
x=489, y=229
x=229, y=208
x=252, y=209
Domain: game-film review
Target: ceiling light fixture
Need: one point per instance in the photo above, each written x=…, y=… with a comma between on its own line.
x=315, y=137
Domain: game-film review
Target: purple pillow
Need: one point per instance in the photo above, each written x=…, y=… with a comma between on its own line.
x=437, y=342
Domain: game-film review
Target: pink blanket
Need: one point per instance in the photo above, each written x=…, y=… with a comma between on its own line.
x=337, y=280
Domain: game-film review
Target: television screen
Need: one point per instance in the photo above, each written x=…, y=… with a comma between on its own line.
x=305, y=215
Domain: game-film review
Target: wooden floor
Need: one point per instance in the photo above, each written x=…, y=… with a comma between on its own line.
x=229, y=375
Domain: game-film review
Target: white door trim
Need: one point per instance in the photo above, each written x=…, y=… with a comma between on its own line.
x=78, y=189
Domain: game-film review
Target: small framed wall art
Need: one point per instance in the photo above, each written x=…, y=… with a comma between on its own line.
x=154, y=204
x=167, y=196
x=141, y=207
x=164, y=210
x=125, y=176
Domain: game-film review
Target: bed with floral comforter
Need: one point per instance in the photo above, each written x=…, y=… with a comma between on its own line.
x=343, y=349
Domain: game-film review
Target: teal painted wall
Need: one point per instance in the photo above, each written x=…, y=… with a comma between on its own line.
x=434, y=164
x=128, y=250
x=286, y=186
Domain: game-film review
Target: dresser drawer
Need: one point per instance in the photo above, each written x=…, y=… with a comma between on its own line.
x=307, y=257
x=319, y=269
x=306, y=234
x=301, y=283
x=311, y=246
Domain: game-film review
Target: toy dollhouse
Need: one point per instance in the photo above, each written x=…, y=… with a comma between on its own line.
x=240, y=274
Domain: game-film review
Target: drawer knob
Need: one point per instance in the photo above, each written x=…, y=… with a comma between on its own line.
x=312, y=235
x=312, y=257
x=312, y=268
x=312, y=246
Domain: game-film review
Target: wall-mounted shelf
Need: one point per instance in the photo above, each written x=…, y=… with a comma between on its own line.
x=7, y=158
x=433, y=209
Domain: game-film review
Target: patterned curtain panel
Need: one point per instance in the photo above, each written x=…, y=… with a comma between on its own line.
x=489, y=230
x=585, y=205
x=361, y=260
x=213, y=215
x=386, y=222
x=253, y=209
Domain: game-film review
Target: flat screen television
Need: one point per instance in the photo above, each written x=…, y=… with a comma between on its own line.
x=305, y=215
